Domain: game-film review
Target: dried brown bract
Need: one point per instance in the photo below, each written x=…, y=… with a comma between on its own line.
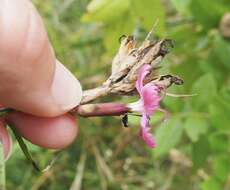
x=126, y=64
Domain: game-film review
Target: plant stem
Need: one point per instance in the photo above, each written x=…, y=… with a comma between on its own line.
x=24, y=147
x=90, y=110
x=102, y=109
x=2, y=169
x=5, y=111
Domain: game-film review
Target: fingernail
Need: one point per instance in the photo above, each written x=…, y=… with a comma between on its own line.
x=66, y=89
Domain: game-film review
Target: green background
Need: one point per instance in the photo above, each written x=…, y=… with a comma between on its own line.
x=193, y=144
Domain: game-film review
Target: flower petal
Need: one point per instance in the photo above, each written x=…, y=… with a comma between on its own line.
x=144, y=121
x=136, y=106
x=143, y=71
x=148, y=103
x=151, y=98
x=148, y=137
x=145, y=132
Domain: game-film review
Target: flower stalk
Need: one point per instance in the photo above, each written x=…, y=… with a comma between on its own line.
x=102, y=109
x=90, y=110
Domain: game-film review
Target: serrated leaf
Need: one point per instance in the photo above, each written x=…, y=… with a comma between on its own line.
x=195, y=127
x=168, y=136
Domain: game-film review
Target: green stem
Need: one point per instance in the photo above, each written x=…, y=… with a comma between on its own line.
x=4, y=111
x=24, y=147
x=2, y=169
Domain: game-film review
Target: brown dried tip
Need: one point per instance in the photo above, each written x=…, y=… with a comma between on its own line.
x=173, y=79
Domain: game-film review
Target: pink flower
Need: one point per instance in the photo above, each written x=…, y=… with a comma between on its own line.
x=147, y=104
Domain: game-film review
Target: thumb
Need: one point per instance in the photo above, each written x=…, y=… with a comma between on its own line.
x=31, y=79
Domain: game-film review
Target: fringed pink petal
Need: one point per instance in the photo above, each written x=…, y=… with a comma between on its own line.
x=145, y=132
x=143, y=71
x=151, y=98
x=148, y=103
x=147, y=137
x=144, y=121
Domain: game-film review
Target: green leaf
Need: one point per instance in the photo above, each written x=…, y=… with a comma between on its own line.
x=194, y=127
x=218, y=109
x=120, y=17
x=105, y=10
x=221, y=167
x=208, y=13
x=133, y=120
x=148, y=12
x=211, y=184
x=221, y=48
x=174, y=104
x=206, y=89
x=225, y=95
x=218, y=117
x=185, y=37
x=115, y=30
x=24, y=148
x=200, y=152
x=182, y=6
x=168, y=136
x=219, y=141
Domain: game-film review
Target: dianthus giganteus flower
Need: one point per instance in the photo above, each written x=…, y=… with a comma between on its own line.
x=147, y=104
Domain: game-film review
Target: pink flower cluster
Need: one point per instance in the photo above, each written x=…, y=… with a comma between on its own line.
x=147, y=104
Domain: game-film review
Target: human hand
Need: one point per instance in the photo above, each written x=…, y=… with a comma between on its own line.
x=33, y=81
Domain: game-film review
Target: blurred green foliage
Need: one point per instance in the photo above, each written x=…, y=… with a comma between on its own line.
x=193, y=145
